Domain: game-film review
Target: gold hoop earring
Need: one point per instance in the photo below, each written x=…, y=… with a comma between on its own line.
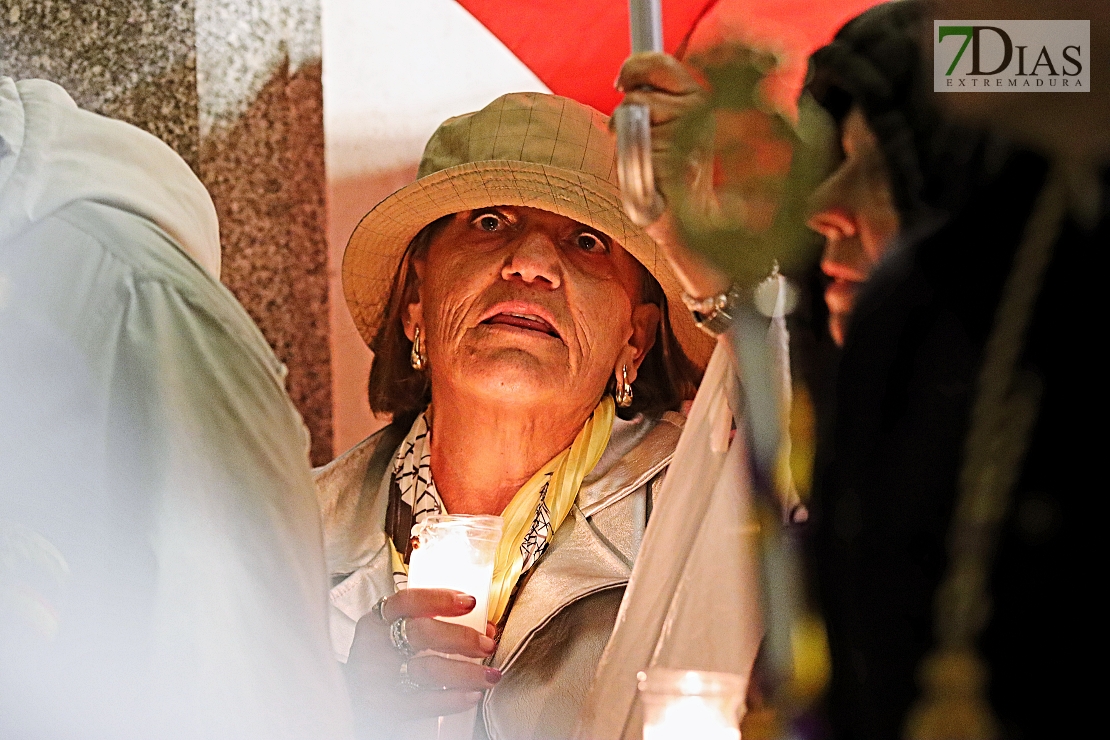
x=417, y=358
x=623, y=396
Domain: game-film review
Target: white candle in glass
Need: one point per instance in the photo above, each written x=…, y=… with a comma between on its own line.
x=457, y=552
x=690, y=704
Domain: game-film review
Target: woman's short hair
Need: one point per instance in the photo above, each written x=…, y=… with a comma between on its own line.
x=666, y=377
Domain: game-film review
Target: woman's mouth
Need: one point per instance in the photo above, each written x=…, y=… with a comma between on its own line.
x=520, y=315
x=527, y=321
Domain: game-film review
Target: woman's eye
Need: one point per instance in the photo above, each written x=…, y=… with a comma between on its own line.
x=488, y=222
x=591, y=243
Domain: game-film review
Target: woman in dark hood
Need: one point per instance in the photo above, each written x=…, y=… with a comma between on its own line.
x=904, y=168
x=890, y=454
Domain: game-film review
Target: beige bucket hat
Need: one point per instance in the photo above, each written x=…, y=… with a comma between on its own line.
x=523, y=149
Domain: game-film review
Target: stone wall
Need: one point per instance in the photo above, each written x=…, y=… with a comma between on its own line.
x=234, y=87
x=130, y=60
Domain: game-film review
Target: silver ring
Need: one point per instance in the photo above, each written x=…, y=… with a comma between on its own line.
x=406, y=680
x=400, y=639
x=378, y=606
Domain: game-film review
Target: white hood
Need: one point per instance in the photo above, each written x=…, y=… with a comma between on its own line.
x=53, y=154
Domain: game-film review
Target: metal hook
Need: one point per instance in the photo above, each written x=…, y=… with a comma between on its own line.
x=642, y=202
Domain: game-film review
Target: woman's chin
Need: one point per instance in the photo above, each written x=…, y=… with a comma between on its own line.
x=514, y=377
x=838, y=327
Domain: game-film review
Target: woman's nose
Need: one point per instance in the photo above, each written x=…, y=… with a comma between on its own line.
x=534, y=258
x=843, y=256
x=845, y=259
x=833, y=223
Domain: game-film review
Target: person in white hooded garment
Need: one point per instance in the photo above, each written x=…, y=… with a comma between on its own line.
x=161, y=570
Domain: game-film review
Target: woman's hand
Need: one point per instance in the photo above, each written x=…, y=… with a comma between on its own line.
x=670, y=90
x=436, y=685
x=740, y=175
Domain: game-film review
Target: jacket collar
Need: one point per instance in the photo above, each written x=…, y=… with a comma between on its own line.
x=588, y=553
x=644, y=449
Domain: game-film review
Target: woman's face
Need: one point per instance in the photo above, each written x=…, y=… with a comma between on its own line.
x=527, y=306
x=854, y=210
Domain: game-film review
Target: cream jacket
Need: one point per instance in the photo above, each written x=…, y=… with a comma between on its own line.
x=157, y=514
x=564, y=611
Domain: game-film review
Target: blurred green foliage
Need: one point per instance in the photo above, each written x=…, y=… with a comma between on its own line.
x=764, y=168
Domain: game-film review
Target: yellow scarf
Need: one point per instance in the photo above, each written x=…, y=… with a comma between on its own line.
x=562, y=477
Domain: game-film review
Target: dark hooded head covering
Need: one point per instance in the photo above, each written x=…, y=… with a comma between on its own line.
x=876, y=61
x=890, y=452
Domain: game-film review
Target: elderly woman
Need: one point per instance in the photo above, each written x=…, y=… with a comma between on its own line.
x=528, y=349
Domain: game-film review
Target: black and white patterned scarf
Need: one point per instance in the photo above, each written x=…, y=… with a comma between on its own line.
x=413, y=497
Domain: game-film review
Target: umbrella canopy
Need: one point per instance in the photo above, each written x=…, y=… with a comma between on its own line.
x=576, y=47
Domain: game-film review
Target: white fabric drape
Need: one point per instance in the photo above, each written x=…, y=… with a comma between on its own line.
x=693, y=601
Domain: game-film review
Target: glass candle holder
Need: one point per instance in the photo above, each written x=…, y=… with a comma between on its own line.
x=682, y=704
x=457, y=551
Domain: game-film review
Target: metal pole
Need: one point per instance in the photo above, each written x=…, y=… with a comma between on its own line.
x=646, y=22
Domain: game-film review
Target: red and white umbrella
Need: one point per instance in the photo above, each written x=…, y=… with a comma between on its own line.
x=576, y=47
